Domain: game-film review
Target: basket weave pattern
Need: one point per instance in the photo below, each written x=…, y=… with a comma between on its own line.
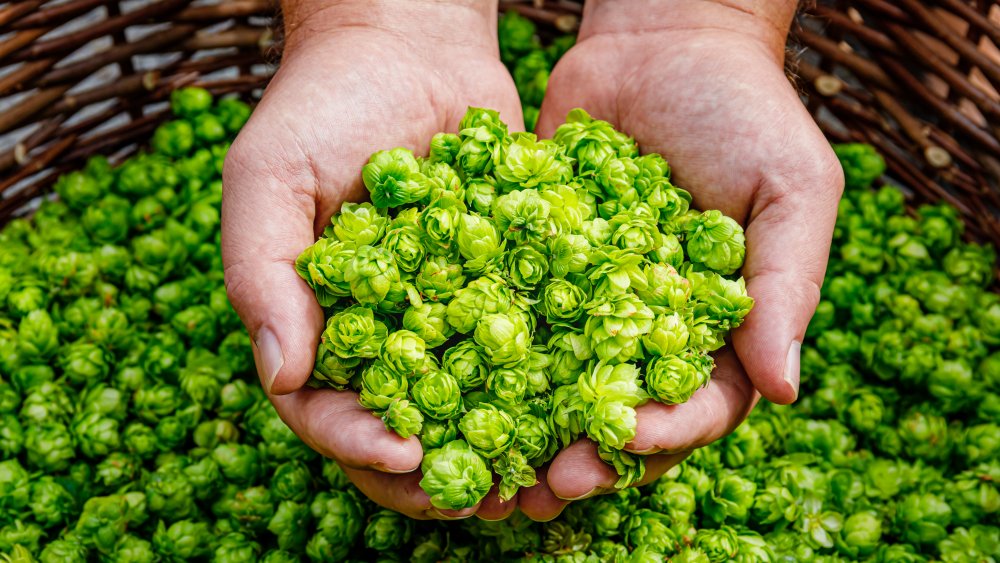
x=917, y=79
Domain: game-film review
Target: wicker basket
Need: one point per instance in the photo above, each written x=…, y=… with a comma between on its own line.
x=917, y=79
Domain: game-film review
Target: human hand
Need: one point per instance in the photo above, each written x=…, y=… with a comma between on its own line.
x=356, y=77
x=705, y=87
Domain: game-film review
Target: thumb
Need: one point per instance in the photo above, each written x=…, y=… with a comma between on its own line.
x=788, y=243
x=266, y=222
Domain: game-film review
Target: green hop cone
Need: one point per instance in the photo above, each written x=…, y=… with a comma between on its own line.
x=429, y=321
x=528, y=163
x=631, y=468
x=436, y=433
x=569, y=254
x=438, y=395
x=439, y=279
x=371, y=274
x=393, y=178
x=479, y=243
x=482, y=134
x=403, y=417
x=354, y=333
x=406, y=247
x=527, y=265
x=466, y=362
x=403, y=351
x=358, y=224
x=505, y=338
x=668, y=336
x=535, y=439
x=440, y=221
x=509, y=384
x=715, y=241
x=454, y=476
x=610, y=423
x=488, y=430
x=862, y=533
x=672, y=379
x=444, y=147
x=387, y=530
x=514, y=472
x=523, y=215
x=615, y=324
x=380, y=386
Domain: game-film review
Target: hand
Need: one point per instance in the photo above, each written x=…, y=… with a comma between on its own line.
x=706, y=89
x=356, y=77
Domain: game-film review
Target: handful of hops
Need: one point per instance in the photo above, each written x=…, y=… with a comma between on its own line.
x=505, y=295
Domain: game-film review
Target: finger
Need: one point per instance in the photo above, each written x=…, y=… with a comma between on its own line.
x=712, y=412
x=788, y=242
x=403, y=494
x=267, y=221
x=658, y=464
x=578, y=472
x=538, y=502
x=335, y=425
x=492, y=508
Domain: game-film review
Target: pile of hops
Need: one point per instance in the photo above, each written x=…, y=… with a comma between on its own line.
x=506, y=295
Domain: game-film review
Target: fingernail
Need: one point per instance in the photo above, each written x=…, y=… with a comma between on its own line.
x=271, y=359
x=791, y=374
x=448, y=514
x=588, y=494
x=379, y=466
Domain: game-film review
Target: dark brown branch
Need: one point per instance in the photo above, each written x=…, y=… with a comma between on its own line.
x=955, y=79
x=85, y=67
x=974, y=17
x=21, y=78
x=19, y=40
x=58, y=14
x=860, y=66
x=227, y=10
x=15, y=11
x=940, y=29
x=71, y=41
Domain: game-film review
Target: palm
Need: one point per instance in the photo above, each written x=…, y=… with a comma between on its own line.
x=330, y=106
x=717, y=105
x=335, y=103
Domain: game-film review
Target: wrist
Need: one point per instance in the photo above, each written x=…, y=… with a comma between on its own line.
x=765, y=21
x=467, y=23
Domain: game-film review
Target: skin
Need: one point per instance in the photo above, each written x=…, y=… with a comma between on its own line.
x=700, y=82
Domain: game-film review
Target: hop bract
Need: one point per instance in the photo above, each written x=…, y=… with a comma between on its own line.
x=569, y=274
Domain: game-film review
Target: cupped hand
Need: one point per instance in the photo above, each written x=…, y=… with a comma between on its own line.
x=355, y=78
x=710, y=96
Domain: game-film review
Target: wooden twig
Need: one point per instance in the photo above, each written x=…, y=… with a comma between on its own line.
x=17, y=10
x=38, y=164
x=940, y=29
x=74, y=40
x=860, y=66
x=935, y=155
x=869, y=36
x=237, y=37
x=955, y=79
x=946, y=110
x=57, y=14
x=125, y=86
x=19, y=40
x=85, y=67
x=29, y=107
x=974, y=17
x=226, y=10
x=20, y=79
